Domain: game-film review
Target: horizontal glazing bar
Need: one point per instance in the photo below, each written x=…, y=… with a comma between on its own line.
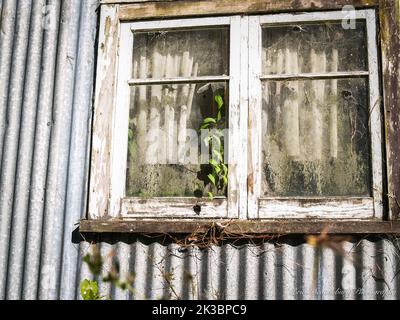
x=150, y=81
x=315, y=76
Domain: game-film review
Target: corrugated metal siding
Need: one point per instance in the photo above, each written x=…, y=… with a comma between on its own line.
x=47, y=51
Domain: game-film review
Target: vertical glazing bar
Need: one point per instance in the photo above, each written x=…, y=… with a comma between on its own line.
x=375, y=114
x=235, y=143
x=254, y=130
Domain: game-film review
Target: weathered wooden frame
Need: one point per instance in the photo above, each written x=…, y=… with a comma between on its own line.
x=389, y=45
x=343, y=207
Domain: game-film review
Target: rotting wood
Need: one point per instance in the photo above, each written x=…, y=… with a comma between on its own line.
x=341, y=208
x=100, y=174
x=159, y=9
x=390, y=47
x=187, y=226
x=174, y=207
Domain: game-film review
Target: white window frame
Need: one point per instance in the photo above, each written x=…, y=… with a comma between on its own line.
x=312, y=207
x=107, y=183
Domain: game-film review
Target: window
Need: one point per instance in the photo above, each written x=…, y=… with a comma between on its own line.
x=315, y=116
x=239, y=117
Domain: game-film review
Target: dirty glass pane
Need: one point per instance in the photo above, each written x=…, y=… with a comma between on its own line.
x=314, y=48
x=181, y=53
x=167, y=155
x=316, y=138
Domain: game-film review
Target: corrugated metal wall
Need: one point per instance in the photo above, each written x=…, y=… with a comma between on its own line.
x=47, y=51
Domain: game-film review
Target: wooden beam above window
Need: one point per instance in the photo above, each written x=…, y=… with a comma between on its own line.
x=138, y=10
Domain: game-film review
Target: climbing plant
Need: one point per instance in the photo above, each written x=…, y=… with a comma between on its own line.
x=218, y=177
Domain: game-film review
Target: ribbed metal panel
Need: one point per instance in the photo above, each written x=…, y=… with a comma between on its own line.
x=47, y=61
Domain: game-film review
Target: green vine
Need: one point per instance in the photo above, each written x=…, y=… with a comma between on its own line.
x=214, y=141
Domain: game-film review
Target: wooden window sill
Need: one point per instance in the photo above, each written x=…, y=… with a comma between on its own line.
x=259, y=226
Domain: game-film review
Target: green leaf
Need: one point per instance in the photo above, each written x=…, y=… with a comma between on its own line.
x=89, y=290
x=219, y=116
x=211, y=178
x=224, y=168
x=209, y=120
x=205, y=126
x=213, y=163
x=219, y=101
x=210, y=195
x=225, y=180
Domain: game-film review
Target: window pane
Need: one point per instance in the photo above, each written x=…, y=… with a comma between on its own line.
x=183, y=53
x=166, y=152
x=305, y=48
x=316, y=138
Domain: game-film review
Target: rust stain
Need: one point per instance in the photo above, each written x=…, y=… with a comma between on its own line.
x=250, y=182
x=107, y=26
